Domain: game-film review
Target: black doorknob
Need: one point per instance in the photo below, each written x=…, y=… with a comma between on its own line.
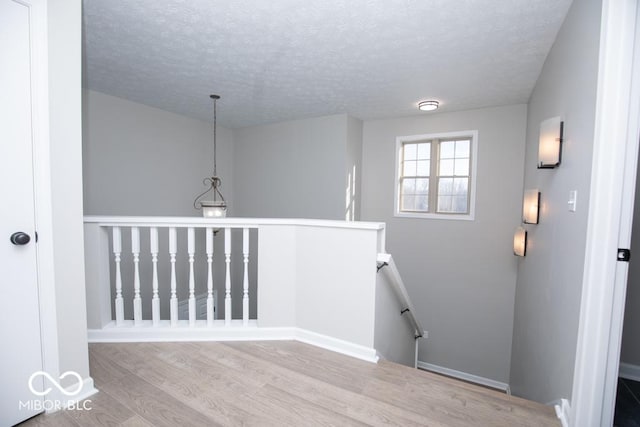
x=20, y=238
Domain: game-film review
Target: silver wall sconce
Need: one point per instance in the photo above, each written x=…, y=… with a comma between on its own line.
x=531, y=207
x=550, y=144
x=520, y=242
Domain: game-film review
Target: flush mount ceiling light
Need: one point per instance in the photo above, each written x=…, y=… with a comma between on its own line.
x=217, y=207
x=428, y=105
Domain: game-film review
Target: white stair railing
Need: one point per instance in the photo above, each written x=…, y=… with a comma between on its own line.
x=227, y=277
x=171, y=233
x=155, y=302
x=210, y=300
x=117, y=250
x=311, y=280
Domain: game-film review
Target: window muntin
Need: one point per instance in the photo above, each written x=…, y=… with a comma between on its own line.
x=435, y=175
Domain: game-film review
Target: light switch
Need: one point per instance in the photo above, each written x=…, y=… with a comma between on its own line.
x=573, y=196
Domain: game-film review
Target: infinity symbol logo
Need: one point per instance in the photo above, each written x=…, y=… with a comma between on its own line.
x=55, y=383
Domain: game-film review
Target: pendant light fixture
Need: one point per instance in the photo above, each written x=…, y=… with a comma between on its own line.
x=216, y=207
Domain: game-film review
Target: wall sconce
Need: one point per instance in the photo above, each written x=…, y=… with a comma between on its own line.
x=520, y=242
x=550, y=144
x=531, y=207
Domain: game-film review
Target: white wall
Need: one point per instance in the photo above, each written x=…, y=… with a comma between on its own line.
x=64, y=31
x=292, y=169
x=549, y=284
x=630, y=353
x=321, y=279
x=140, y=160
x=460, y=275
x=353, y=172
x=335, y=288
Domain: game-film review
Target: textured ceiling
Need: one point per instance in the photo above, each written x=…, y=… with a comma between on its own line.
x=274, y=60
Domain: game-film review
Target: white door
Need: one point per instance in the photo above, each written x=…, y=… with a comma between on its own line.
x=21, y=350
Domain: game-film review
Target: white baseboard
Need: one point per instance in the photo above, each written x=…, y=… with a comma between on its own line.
x=629, y=371
x=236, y=332
x=563, y=411
x=465, y=376
x=337, y=345
x=183, y=332
x=85, y=392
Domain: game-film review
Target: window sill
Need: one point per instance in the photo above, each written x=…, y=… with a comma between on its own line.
x=457, y=217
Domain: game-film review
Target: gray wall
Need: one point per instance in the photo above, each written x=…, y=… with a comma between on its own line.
x=549, y=285
x=64, y=25
x=353, y=169
x=294, y=169
x=630, y=342
x=460, y=275
x=140, y=160
x=394, y=332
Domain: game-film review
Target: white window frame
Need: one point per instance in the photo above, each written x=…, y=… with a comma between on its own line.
x=400, y=140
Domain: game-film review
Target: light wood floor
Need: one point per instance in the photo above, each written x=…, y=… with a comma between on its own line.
x=279, y=383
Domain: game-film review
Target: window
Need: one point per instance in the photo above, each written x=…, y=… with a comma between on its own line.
x=436, y=175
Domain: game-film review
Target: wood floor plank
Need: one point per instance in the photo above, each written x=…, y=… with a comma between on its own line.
x=294, y=411
x=329, y=372
x=57, y=419
x=499, y=401
x=342, y=364
x=136, y=421
x=321, y=393
x=154, y=405
x=453, y=406
x=208, y=388
x=105, y=411
x=279, y=383
x=102, y=368
x=421, y=377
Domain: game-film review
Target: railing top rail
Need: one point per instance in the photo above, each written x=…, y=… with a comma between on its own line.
x=398, y=285
x=167, y=221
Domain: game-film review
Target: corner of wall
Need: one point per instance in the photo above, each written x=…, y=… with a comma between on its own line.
x=64, y=34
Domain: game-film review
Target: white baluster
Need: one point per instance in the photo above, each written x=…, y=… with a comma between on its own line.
x=209, y=232
x=191, y=249
x=173, y=302
x=137, y=301
x=227, y=282
x=117, y=249
x=155, y=302
x=245, y=281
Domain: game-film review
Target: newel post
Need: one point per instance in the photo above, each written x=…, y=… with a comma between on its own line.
x=97, y=275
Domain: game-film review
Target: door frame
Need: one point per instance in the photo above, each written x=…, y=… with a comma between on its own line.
x=613, y=179
x=42, y=185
